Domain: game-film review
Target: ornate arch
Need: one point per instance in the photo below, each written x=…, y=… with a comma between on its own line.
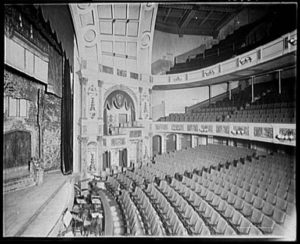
x=125, y=89
x=119, y=96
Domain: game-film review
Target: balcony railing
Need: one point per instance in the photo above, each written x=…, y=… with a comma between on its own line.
x=273, y=133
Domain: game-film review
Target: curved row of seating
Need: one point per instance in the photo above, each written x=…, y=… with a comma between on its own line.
x=153, y=222
x=199, y=157
x=134, y=221
x=138, y=179
x=248, y=195
x=170, y=219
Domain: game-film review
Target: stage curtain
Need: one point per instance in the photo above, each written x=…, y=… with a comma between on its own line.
x=67, y=122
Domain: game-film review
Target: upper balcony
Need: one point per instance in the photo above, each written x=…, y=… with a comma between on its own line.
x=274, y=55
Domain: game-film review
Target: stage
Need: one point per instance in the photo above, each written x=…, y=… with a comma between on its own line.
x=35, y=211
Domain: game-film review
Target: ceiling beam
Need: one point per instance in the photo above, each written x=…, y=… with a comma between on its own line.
x=216, y=8
x=186, y=20
x=206, y=18
x=226, y=19
x=166, y=27
x=167, y=15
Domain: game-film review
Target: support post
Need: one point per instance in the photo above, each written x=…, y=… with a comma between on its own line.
x=252, y=89
x=209, y=94
x=279, y=81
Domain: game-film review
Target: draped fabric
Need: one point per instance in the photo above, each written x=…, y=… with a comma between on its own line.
x=118, y=99
x=61, y=23
x=67, y=122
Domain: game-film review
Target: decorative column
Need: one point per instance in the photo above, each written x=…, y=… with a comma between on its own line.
x=178, y=142
x=194, y=141
x=100, y=115
x=150, y=103
x=140, y=91
x=83, y=155
x=99, y=166
x=83, y=83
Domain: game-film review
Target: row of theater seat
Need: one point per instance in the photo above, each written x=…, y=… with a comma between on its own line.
x=270, y=114
x=134, y=221
x=255, y=196
x=199, y=157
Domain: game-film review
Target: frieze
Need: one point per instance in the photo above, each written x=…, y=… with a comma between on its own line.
x=118, y=141
x=240, y=130
x=224, y=129
x=206, y=128
x=208, y=72
x=161, y=127
x=286, y=134
x=192, y=128
x=135, y=133
x=263, y=132
x=245, y=60
x=177, y=127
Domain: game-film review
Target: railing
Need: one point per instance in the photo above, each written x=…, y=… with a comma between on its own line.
x=273, y=133
x=277, y=48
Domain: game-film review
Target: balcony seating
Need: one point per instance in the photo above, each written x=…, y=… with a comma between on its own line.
x=240, y=41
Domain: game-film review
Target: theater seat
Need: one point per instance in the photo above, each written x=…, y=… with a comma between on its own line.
x=257, y=217
x=267, y=225
x=244, y=227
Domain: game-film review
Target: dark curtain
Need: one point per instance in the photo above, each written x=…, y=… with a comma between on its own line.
x=67, y=122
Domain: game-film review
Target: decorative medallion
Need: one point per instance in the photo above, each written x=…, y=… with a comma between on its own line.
x=90, y=35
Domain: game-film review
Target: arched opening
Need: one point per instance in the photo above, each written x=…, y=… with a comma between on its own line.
x=171, y=143
x=119, y=111
x=186, y=141
x=156, y=145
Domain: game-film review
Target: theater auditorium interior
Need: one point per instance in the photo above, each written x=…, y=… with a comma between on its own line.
x=150, y=119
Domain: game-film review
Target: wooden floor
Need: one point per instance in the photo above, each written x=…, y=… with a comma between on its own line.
x=25, y=211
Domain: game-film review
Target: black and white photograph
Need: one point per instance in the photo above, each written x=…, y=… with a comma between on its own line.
x=149, y=120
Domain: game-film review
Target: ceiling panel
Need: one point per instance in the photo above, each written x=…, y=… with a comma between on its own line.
x=120, y=11
x=132, y=28
x=120, y=47
x=120, y=28
x=132, y=49
x=104, y=11
x=108, y=60
x=107, y=46
x=106, y=27
x=134, y=11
